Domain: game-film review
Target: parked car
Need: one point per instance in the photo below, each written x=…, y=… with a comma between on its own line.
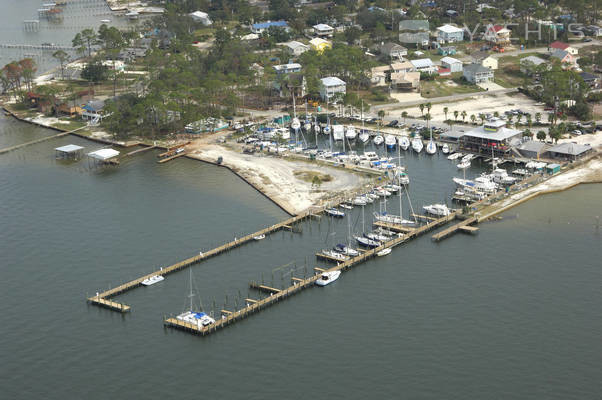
x=576, y=132
x=393, y=123
x=588, y=39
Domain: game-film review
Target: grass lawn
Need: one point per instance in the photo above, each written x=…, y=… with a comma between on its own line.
x=443, y=87
x=508, y=73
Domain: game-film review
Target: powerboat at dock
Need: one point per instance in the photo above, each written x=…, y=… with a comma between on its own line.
x=328, y=277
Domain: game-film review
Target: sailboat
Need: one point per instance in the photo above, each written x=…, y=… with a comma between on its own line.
x=404, y=143
x=350, y=133
x=390, y=141
x=431, y=147
x=364, y=136
x=417, y=144
x=197, y=318
x=338, y=132
x=378, y=140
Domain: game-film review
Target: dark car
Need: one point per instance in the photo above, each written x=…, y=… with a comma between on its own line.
x=393, y=123
x=589, y=39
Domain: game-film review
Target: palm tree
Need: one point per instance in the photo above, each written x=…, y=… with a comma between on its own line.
x=518, y=118
x=482, y=118
x=541, y=135
x=464, y=114
x=456, y=113
x=496, y=114
x=551, y=118
x=421, y=106
x=428, y=106
x=538, y=117
x=381, y=115
x=427, y=118
x=404, y=115
x=445, y=111
x=529, y=120
x=473, y=118
x=510, y=118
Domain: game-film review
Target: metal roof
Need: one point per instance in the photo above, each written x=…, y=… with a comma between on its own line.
x=572, y=149
x=323, y=27
x=265, y=25
x=499, y=135
x=332, y=81
x=449, y=29
x=103, y=154
x=532, y=145
x=422, y=63
x=450, y=60
x=70, y=148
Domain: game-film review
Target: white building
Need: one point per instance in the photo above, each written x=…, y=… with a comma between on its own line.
x=424, y=65
x=287, y=68
x=323, y=30
x=202, y=17
x=296, y=48
x=450, y=34
x=453, y=64
x=332, y=86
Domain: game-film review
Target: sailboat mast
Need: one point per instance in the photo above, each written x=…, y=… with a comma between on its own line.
x=191, y=295
x=399, y=181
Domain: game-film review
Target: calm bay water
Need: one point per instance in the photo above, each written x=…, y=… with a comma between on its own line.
x=510, y=313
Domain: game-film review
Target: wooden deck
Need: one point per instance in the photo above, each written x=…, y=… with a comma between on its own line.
x=18, y=146
x=464, y=225
x=112, y=305
x=131, y=153
x=166, y=159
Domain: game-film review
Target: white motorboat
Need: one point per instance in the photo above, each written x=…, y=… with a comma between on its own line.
x=359, y=201
x=259, y=237
x=364, y=137
x=404, y=142
x=338, y=132
x=335, y=255
x=404, y=179
x=317, y=128
x=445, y=149
x=384, y=252
x=333, y=212
x=390, y=141
x=417, y=144
x=371, y=196
x=371, y=156
x=481, y=184
x=346, y=206
x=105, y=21
x=307, y=127
x=350, y=133
x=468, y=157
x=378, y=140
x=463, y=165
x=431, y=147
x=440, y=210
x=326, y=130
x=152, y=280
x=454, y=156
x=392, y=188
x=364, y=241
x=346, y=250
x=377, y=237
x=368, y=198
x=392, y=219
x=500, y=175
x=380, y=192
x=196, y=318
x=328, y=277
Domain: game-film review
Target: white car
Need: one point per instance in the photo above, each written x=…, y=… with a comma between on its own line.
x=576, y=132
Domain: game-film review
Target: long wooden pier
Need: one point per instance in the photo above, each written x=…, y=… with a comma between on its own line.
x=461, y=226
x=276, y=295
x=18, y=146
x=131, y=153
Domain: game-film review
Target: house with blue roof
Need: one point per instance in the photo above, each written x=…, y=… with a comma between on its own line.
x=261, y=27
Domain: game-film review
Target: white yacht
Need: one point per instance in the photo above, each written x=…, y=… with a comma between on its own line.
x=346, y=250
x=463, y=165
x=417, y=144
x=440, y=210
x=359, y=201
x=378, y=140
x=445, y=149
x=364, y=137
x=454, y=156
x=333, y=212
x=404, y=142
x=338, y=132
x=500, y=175
x=371, y=156
x=196, y=318
x=152, y=280
x=259, y=237
x=390, y=141
x=384, y=252
x=404, y=179
x=328, y=277
x=350, y=133
x=481, y=184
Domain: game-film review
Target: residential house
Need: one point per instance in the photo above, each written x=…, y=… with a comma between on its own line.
x=450, y=34
x=378, y=75
x=492, y=137
x=296, y=48
x=566, y=59
x=287, y=68
x=476, y=73
x=261, y=27
x=485, y=59
x=393, y=50
x=402, y=66
x=424, y=65
x=332, y=86
x=563, y=46
x=453, y=64
x=569, y=151
x=258, y=71
x=202, y=17
x=530, y=65
x=447, y=50
x=443, y=72
x=93, y=110
x=590, y=79
x=291, y=83
x=497, y=35
x=323, y=30
x=319, y=44
x=71, y=111
x=405, y=80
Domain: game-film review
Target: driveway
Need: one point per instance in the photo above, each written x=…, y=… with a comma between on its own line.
x=490, y=86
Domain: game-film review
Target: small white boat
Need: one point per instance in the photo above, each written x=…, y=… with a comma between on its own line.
x=404, y=179
x=384, y=252
x=105, y=21
x=390, y=141
x=317, y=128
x=431, y=147
x=346, y=206
x=196, y=318
x=378, y=140
x=333, y=212
x=326, y=130
x=152, y=280
x=338, y=132
x=328, y=277
x=259, y=237
x=350, y=133
x=307, y=127
x=440, y=210
x=464, y=165
x=454, y=156
x=359, y=201
x=392, y=188
x=335, y=254
x=417, y=144
x=404, y=142
x=364, y=137
x=346, y=250
x=377, y=237
x=445, y=149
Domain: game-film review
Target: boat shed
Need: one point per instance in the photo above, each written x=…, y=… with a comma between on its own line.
x=104, y=156
x=70, y=151
x=569, y=151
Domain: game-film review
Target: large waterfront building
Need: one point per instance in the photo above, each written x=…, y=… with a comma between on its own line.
x=492, y=137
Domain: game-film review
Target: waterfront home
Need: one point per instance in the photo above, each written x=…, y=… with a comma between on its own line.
x=453, y=64
x=569, y=151
x=563, y=46
x=483, y=58
x=93, y=110
x=287, y=68
x=261, y=27
x=493, y=136
x=202, y=17
x=567, y=60
x=296, y=48
x=332, y=86
x=497, y=35
x=323, y=30
x=403, y=66
x=393, y=50
x=476, y=73
x=531, y=65
x=449, y=34
x=424, y=65
x=320, y=45
x=593, y=81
